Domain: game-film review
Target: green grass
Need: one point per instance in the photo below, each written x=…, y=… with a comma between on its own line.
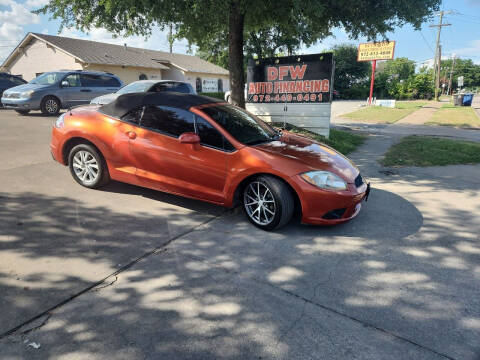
x=431, y=151
x=342, y=141
x=449, y=115
x=380, y=114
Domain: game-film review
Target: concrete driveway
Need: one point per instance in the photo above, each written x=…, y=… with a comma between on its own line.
x=186, y=280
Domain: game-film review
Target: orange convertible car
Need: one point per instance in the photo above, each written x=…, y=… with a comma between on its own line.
x=201, y=148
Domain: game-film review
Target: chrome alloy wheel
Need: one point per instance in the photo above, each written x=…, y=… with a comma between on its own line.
x=51, y=106
x=259, y=203
x=86, y=167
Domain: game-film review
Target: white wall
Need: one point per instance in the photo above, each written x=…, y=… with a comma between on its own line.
x=37, y=57
x=314, y=117
x=173, y=74
x=127, y=74
x=192, y=76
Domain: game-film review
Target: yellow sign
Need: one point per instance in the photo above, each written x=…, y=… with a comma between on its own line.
x=376, y=51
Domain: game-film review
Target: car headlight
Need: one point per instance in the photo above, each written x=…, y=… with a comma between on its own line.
x=325, y=180
x=60, y=121
x=26, y=94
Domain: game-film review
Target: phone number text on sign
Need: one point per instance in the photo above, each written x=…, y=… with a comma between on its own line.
x=287, y=98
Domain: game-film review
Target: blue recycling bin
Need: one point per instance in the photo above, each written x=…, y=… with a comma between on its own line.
x=467, y=99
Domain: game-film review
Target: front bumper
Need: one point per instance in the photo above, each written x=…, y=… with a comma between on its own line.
x=325, y=207
x=21, y=104
x=56, y=146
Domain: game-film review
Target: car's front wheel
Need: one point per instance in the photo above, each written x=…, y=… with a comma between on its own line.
x=87, y=166
x=50, y=106
x=23, y=112
x=268, y=202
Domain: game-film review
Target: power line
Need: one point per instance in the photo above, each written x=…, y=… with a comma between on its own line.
x=426, y=42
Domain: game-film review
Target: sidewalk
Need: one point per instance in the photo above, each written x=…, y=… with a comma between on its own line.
x=422, y=115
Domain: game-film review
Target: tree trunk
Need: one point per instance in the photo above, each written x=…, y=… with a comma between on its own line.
x=236, y=20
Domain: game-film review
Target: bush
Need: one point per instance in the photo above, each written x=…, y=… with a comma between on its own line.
x=356, y=92
x=218, y=95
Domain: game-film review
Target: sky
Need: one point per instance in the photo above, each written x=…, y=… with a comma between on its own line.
x=462, y=38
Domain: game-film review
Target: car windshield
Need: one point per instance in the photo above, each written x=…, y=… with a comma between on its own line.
x=243, y=126
x=48, y=78
x=135, y=87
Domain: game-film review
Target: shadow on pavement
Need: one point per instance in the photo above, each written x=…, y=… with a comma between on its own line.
x=228, y=290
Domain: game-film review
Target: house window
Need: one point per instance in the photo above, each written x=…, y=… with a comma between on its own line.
x=142, y=77
x=198, y=85
x=220, y=85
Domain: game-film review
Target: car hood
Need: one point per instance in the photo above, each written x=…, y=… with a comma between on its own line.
x=104, y=99
x=26, y=87
x=315, y=155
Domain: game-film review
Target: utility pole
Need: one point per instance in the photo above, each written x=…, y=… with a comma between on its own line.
x=439, y=64
x=451, y=74
x=436, y=77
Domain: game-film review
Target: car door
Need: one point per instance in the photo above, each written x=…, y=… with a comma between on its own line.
x=109, y=84
x=208, y=162
x=92, y=86
x=166, y=164
x=71, y=94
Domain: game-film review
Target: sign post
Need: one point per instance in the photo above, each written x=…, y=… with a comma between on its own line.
x=372, y=52
x=372, y=81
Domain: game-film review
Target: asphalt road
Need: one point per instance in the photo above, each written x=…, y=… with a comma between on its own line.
x=187, y=280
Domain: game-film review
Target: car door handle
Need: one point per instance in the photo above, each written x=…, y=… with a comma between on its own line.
x=86, y=90
x=131, y=135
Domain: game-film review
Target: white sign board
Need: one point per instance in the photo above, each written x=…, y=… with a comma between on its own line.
x=209, y=85
x=385, y=103
x=460, y=81
x=292, y=89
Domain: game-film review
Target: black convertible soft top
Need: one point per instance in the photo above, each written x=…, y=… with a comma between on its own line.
x=128, y=102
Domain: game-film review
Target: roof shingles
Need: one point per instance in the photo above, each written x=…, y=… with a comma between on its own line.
x=108, y=54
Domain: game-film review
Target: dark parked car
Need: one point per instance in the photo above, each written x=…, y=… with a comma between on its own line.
x=8, y=81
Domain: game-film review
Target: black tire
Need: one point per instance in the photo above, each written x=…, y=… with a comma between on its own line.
x=91, y=157
x=23, y=112
x=282, y=206
x=50, y=106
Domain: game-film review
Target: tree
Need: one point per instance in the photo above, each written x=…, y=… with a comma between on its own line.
x=463, y=67
x=201, y=20
x=401, y=68
x=351, y=76
x=265, y=42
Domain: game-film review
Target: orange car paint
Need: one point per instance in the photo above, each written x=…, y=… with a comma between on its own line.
x=149, y=159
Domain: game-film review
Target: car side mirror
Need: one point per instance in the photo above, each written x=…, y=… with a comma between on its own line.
x=65, y=83
x=189, y=138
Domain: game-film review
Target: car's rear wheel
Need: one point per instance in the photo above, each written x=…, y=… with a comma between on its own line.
x=23, y=112
x=50, y=106
x=87, y=166
x=268, y=202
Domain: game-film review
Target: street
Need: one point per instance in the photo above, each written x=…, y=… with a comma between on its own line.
x=131, y=273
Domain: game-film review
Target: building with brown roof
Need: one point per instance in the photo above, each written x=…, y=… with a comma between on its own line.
x=39, y=53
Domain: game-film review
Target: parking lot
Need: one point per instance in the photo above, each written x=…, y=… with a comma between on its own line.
x=130, y=273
